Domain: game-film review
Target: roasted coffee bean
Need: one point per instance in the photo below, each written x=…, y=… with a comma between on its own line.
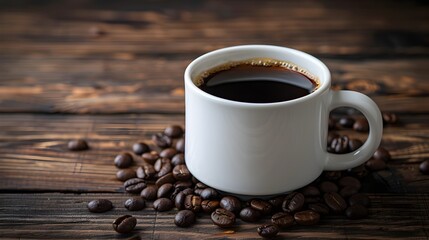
x=282, y=219
x=200, y=185
x=125, y=174
x=348, y=191
x=150, y=192
x=263, y=206
x=382, y=154
x=424, y=167
x=100, y=205
x=359, y=171
x=163, y=166
x=179, y=201
x=276, y=202
x=310, y=191
x=180, y=145
x=165, y=190
x=268, y=231
x=375, y=164
x=181, y=172
x=185, y=218
x=231, y=204
x=361, y=125
x=163, y=204
x=249, y=214
x=340, y=145
x=167, y=178
x=174, y=193
x=349, y=181
x=134, y=185
x=161, y=140
x=354, y=144
x=223, y=218
x=307, y=217
x=312, y=199
x=123, y=160
x=335, y=202
x=140, y=148
x=293, y=202
x=193, y=203
x=389, y=118
x=327, y=186
x=320, y=208
x=332, y=136
x=346, y=122
x=124, y=224
x=359, y=198
x=356, y=211
x=178, y=159
x=188, y=191
x=332, y=175
x=198, y=191
x=168, y=153
x=209, y=193
x=183, y=184
x=150, y=157
x=209, y=206
x=146, y=171
x=135, y=204
x=174, y=131
x=77, y=145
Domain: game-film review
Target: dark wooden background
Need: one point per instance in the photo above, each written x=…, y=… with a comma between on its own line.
x=111, y=72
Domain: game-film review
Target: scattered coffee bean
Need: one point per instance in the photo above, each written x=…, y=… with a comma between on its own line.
x=340, y=145
x=149, y=192
x=184, y=218
x=77, y=145
x=356, y=211
x=183, y=184
x=173, y=131
x=165, y=190
x=263, y=206
x=193, y=203
x=188, y=191
x=231, y=204
x=277, y=202
x=293, y=202
x=209, y=193
x=310, y=191
x=312, y=200
x=178, y=159
x=348, y=191
x=268, y=231
x=179, y=200
x=146, y=171
x=163, y=166
x=125, y=174
x=349, y=181
x=181, y=172
x=124, y=224
x=167, y=178
x=346, y=122
x=168, y=153
x=332, y=175
x=100, y=205
x=249, y=214
x=332, y=136
x=424, y=167
x=282, y=219
x=223, y=218
x=180, y=145
x=320, y=208
x=375, y=164
x=198, y=191
x=201, y=185
x=389, y=118
x=209, y=206
x=354, y=144
x=135, y=204
x=150, y=157
x=359, y=171
x=140, y=148
x=163, y=204
x=359, y=198
x=361, y=125
x=382, y=154
x=328, y=186
x=335, y=202
x=161, y=140
x=123, y=160
x=134, y=185
x=307, y=217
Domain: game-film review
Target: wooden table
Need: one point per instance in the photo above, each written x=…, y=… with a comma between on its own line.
x=111, y=72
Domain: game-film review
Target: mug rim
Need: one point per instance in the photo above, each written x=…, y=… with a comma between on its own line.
x=323, y=85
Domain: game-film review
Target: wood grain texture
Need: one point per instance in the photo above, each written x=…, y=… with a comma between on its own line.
x=65, y=216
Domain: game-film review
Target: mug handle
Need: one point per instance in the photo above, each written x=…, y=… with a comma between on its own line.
x=369, y=109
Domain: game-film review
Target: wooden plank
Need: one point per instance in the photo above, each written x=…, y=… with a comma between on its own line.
x=64, y=216
x=34, y=155
x=187, y=27
x=155, y=85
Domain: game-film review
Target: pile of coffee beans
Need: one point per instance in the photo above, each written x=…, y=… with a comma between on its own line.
x=162, y=178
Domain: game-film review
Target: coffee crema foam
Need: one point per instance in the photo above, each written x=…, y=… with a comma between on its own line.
x=266, y=62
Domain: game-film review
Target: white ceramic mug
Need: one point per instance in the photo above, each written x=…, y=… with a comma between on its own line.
x=268, y=148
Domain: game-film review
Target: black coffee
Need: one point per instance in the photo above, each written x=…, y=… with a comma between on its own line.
x=257, y=82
